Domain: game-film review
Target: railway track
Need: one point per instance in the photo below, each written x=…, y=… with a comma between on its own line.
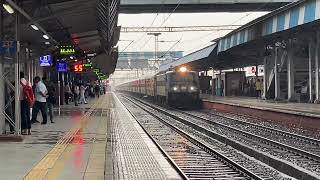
x=282, y=157
x=304, y=143
x=195, y=158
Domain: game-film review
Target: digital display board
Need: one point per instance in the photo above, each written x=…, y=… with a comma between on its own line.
x=96, y=70
x=62, y=67
x=87, y=65
x=67, y=50
x=45, y=60
x=78, y=68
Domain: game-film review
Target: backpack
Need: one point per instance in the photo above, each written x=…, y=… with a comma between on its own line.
x=28, y=95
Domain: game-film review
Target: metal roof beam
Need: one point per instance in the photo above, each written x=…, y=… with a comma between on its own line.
x=28, y=17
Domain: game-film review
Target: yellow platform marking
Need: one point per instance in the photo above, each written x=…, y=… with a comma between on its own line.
x=96, y=165
x=41, y=170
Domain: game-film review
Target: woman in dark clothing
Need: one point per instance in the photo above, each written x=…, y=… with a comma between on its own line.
x=51, y=100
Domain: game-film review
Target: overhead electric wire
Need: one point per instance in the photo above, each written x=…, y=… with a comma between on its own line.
x=236, y=21
x=126, y=47
x=143, y=35
x=174, y=10
x=165, y=20
x=173, y=46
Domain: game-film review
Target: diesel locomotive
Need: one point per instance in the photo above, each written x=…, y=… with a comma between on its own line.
x=178, y=88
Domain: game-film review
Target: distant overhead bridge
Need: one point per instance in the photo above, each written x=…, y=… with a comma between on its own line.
x=183, y=6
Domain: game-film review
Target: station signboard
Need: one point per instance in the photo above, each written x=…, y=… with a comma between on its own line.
x=96, y=70
x=67, y=50
x=45, y=60
x=87, y=66
x=103, y=77
x=78, y=68
x=8, y=47
x=62, y=67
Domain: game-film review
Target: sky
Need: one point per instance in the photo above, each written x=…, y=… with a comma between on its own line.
x=189, y=41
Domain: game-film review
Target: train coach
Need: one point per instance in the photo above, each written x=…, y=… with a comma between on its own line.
x=174, y=88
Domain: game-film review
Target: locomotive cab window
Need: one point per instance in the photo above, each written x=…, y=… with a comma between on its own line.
x=184, y=77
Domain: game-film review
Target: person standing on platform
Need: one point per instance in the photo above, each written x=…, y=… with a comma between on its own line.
x=82, y=94
x=41, y=95
x=258, y=88
x=222, y=88
x=26, y=101
x=91, y=91
x=97, y=90
x=67, y=93
x=51, y=99
x=76, y=92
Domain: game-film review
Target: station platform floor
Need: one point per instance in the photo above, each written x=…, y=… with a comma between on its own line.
x=302, y=109
x=100, y=140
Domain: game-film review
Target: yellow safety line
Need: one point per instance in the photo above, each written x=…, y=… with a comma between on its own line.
x=40, y=171
x=58, y=167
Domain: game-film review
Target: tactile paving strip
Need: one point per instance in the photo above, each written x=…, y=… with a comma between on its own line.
x=128, y=156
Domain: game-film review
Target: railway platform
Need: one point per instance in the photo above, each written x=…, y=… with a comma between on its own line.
x=99, y=140
x=293, y=114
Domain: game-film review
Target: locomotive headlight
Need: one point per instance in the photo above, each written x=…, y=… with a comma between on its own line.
x=183, y=69
x=193, y=88
x=175, y=88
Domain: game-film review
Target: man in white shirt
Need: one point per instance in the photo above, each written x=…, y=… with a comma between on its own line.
x=41, y=100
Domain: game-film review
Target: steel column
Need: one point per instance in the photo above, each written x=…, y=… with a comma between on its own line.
x=17, y=79
x=62, y=88
x=2, y=82
x=59, y=93
x=311, y=51
x=29, y=65
x=219, y=88
x=317, y=100
x=265, y=77
x=34, y=68
x=290, y=73
x=276, y=76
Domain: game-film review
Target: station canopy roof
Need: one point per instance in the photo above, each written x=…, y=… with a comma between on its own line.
x=82, y=23
x=194, y=59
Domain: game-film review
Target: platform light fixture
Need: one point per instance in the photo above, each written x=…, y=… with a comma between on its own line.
x=47, y=43
x=45, y=36
x=34, y=27
x=8, y=8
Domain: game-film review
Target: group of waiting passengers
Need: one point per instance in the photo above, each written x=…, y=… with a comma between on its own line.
x=41, y=96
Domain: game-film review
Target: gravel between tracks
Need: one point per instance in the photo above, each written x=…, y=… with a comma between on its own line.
x=242, y=159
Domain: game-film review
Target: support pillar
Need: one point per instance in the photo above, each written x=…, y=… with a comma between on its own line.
x=219, y=88
x=34, y=68
x=265, y=84
x=317, y=88
x=2, y=82
x=290, y=73
x=276, y=76
x=28, y=65
x=311, y=51
x=59, y=93
x=17, y=79
x=62, y=87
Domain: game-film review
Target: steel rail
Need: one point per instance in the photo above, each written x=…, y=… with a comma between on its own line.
x=278, y=131
x=235, y=144
x=191, y=138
